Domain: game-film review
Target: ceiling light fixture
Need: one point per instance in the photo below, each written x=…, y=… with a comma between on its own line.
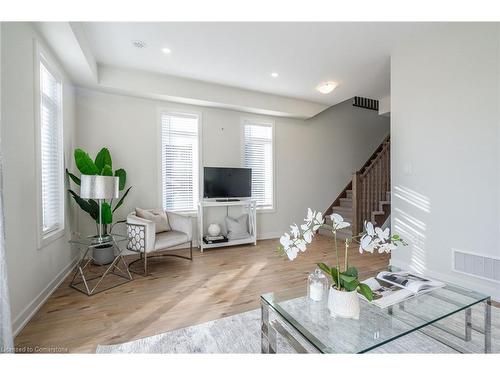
x=274, y=75
x=166, y=51
x=139, y=43
x=326, y=87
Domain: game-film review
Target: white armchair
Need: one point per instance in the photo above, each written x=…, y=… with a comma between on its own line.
x=144, y=240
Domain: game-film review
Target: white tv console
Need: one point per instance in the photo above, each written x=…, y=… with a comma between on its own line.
x=250, y=206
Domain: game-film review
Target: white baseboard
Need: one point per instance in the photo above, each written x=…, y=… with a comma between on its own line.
x=458, y=280
x=269, y=235
x=25, y=316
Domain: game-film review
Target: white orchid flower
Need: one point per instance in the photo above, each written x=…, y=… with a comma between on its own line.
x=292, y=252
x=299, y=237
x=376, y=239
x=383, y=235
x=288, y=245
x=386, y=247
x=314, y=219
x=301, y=245
x=285, y=241
x=367, y=243
x=369, y=229
x=310, y=216
x=338, y=222
x=294, y=230
x=307, y=233
x=318, y=221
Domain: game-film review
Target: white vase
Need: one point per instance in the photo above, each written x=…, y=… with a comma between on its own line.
x=343, y=304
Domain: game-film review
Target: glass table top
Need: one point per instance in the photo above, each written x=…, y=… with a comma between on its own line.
x=91, y=240
x=375, y=327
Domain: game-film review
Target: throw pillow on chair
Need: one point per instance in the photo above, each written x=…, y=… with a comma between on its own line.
x=158, y=216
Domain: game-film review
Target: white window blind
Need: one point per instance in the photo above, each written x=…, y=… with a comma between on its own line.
x=179, y=161
x=51, y=158
x=258, y=155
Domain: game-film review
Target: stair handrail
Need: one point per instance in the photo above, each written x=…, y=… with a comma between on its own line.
x=370, y=184
x=380, y=146
x=374, y=161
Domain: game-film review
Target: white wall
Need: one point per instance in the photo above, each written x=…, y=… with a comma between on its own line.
x=445, y=148
x=313, y=158
x=33, y=272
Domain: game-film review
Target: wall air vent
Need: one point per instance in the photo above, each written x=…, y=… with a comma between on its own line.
x=365, y=103
x=480, y=266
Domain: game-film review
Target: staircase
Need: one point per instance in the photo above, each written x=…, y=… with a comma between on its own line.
x=367, y=196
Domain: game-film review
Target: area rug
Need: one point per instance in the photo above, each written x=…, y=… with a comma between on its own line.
x=241, y=334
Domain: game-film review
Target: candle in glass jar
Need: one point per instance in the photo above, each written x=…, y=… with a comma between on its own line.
x=316, y=291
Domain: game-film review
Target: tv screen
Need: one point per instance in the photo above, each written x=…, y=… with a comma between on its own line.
x=227, y=182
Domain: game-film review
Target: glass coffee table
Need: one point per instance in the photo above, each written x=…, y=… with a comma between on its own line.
x=308, y=327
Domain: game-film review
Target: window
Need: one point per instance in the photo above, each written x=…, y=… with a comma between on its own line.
x=180, y=161
x=258, y=155
x=50, y=150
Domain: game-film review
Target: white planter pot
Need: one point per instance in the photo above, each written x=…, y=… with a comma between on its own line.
x=343, y=304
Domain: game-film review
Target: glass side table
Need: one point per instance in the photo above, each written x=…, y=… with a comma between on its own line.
x=86, y=280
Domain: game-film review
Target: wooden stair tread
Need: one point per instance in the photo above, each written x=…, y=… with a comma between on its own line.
x=347, y=201
x=341, y=208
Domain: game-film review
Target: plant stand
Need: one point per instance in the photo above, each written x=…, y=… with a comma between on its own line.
x=89, y=284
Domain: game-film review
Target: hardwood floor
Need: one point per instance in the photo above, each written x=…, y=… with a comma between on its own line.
x=178, y=293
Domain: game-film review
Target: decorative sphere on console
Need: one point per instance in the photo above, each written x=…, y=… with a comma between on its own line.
x=214, y=229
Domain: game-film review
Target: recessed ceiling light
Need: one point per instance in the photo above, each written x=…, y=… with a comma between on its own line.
x=326, y=87
x=139, y=43
x=166, y=51
x=274, y=75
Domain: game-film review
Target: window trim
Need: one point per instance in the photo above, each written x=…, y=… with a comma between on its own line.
x=41, y=56
x=179, y=111
x=263, y=121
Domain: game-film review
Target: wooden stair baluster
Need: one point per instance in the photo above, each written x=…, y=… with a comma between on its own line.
x=363, y=198
x=356, y=202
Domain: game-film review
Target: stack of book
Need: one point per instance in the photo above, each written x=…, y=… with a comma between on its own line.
x=214, y=239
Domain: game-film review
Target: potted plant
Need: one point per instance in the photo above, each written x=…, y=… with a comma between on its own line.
x=101, y=165
x=343, y=299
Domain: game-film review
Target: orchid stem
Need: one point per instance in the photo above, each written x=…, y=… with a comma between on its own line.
x=338, y=261
x=346, y=248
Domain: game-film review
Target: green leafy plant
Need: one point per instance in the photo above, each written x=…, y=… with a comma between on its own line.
x=101, y=165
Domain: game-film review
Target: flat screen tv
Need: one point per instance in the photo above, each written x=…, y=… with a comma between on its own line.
x=227, y=182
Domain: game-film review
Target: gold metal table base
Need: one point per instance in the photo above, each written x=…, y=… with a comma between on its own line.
x=80, y=282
